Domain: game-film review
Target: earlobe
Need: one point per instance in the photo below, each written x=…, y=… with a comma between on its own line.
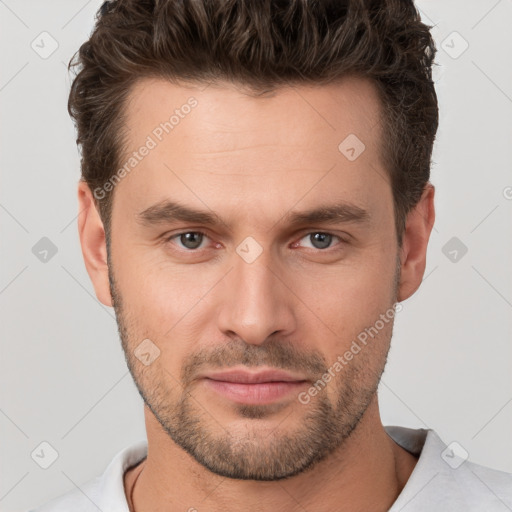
x=93, y=242
x=413, y=254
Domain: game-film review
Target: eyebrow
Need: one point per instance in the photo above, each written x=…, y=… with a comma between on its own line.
x=168, y=211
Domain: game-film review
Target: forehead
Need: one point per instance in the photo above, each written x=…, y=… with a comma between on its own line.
x=227, y=113
x=220, y=143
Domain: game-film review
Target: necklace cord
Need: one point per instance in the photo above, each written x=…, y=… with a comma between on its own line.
x=130, y=497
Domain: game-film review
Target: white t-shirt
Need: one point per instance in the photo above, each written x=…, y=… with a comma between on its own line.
x=441, y=480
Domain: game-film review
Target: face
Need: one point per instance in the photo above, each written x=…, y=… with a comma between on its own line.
x=255, y=279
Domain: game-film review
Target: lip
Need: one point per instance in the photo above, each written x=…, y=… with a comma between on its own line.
x=261, y=387
x=255, y=377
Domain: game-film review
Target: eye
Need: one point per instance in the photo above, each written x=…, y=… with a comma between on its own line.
x=190, y=239
x=193, y=240
x=320, y=240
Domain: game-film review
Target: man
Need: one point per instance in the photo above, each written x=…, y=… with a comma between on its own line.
x=255, y=203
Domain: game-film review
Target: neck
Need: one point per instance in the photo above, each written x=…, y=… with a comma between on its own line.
x=367, y=472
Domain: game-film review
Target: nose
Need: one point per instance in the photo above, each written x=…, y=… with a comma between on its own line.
x=256, y=301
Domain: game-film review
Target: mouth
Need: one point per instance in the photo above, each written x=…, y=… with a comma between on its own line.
x=261, y=387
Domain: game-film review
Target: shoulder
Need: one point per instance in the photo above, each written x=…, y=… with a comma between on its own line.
x=477, y=484
x=105, y=492
x=483, y=486
x=444, y=478
x=77, y=500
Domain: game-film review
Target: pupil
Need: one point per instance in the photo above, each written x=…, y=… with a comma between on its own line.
x=187, y=239
x=321, y=240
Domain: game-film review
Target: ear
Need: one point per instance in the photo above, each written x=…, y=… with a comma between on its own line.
x=413, y=254
x=93, y=242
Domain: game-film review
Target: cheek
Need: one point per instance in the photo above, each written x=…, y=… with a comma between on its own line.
x=345, y=302
x=168, y=306
x=157, y=290
x=349, y=293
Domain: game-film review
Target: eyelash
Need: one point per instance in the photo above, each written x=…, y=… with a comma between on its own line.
x=176, y=235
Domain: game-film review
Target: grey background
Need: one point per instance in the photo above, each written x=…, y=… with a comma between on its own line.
x=63, y=378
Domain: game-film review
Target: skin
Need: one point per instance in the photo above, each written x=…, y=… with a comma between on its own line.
x=297, y=306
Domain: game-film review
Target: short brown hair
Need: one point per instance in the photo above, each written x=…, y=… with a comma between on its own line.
x=261, y=45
